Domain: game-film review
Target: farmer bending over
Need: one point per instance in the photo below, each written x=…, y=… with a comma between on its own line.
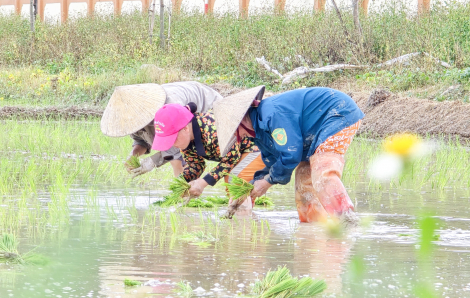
x=195, y=134
x=131, y=111
x=309, y=129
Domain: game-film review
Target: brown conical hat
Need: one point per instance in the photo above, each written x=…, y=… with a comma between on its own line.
x=229, y=112
x=131, y=108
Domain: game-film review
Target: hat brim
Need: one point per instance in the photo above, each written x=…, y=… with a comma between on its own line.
x=229, y=112
x=164, y=143
x=131, y=108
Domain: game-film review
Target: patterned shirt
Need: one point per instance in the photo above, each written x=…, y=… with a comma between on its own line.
x=206, y=146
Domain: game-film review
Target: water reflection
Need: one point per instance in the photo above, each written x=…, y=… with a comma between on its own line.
x=95, y=249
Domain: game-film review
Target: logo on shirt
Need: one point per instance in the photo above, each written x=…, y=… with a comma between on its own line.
x=279, y=135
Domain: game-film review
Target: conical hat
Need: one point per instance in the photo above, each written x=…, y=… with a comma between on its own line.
x=229, y=112
x=131, y=108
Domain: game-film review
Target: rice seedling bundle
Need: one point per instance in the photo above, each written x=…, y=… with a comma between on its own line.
x=239, y=188
x=133, y=162
x=179, y=187
x=131, y=283
x=281, y=284
x=195, y=203
x=169, y=200
x=218, y=200
x=264, y=201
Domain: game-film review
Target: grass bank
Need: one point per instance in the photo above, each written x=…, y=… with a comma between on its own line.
x=81, y=61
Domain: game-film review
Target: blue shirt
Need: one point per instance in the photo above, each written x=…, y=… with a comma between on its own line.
x=290, y=126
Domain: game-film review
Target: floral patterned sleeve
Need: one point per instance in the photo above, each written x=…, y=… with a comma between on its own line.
x=226, y=164
x=194, y=167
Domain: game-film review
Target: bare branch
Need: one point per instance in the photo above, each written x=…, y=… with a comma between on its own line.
x=266, y=65
x=302, y=72
x=346, y=33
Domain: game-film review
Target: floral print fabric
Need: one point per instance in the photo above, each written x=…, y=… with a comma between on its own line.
x=339, y=142
x=195, y=163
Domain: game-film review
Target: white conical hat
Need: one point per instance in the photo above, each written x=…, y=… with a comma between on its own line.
x=131, y=108
x=229, y=112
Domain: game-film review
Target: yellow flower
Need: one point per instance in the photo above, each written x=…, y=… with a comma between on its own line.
x=402, y=144
x=1, y=98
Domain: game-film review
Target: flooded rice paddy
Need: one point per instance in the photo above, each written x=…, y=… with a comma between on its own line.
x=65, y=194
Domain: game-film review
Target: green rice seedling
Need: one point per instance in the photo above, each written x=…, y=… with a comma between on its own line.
x=184, y=289
x=9, y=252
x=239, y=188
x=179, y=187
x=199, y=238
x=9, y=249
x=169, y=200
x=131, y=283
x=280, y=283
x=174, y=222
x=195, y=203
x=264, y=201
x=133, y=162
x=218, y=200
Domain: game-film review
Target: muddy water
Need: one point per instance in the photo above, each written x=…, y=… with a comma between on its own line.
x=92, y=254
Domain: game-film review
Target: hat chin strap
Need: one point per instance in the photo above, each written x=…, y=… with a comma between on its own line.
x=251, y=132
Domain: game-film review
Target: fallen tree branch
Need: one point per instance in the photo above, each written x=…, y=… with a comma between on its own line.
x=304, y=71
x=266, y=65
x=408, y=57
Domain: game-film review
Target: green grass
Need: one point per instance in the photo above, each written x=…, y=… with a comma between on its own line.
x=82, y=61
x=280, y=283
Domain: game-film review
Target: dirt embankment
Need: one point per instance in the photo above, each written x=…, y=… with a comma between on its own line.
x=386, y=113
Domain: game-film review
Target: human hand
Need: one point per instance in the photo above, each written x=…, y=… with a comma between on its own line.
x=260, y=188
x=146, y=165
x=197, y=187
